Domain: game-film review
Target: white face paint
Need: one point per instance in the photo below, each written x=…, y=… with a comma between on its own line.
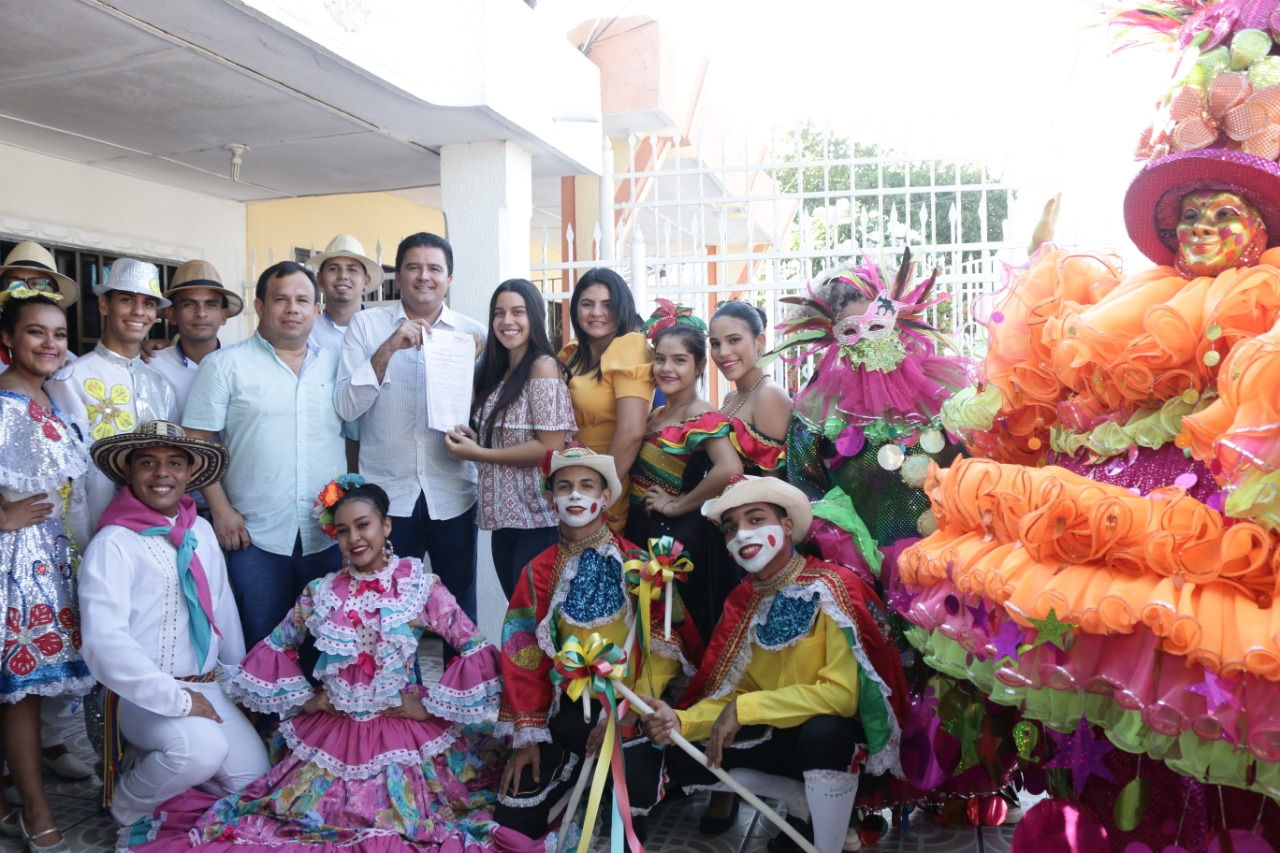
x=761, y=545
x=577, y=509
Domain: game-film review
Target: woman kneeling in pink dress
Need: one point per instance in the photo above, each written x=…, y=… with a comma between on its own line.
x=370, y=761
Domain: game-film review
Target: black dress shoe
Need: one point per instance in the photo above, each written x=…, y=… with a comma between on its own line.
x=708, y=825
x=783, y=843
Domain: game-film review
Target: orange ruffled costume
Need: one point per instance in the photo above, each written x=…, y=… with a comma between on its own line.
x=1078, y=351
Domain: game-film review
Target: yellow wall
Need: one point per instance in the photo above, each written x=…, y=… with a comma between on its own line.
x=283, y=225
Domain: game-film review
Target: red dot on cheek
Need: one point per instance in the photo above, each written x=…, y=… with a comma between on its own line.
x=772, y=542
x=595, y=507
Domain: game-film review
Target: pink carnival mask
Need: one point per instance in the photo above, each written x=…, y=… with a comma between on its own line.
x=875, y=323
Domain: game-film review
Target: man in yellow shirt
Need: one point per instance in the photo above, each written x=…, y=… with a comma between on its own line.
x=574, y=589
x=799, y=690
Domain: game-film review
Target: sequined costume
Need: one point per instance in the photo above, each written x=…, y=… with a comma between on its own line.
x=41, y=453
x=106, y=393
x=673, y=459
x=360, y=779
x=577, y=589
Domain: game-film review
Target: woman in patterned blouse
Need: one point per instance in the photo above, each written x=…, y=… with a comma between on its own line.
x=522, y=410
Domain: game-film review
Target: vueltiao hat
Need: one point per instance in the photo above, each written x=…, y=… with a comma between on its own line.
x=133, y=276
x=210, y=459
x=29, y=255
x=587, y=458
x=1152, y=205
x=194, y=275
x=745, y=489
x=346, y=246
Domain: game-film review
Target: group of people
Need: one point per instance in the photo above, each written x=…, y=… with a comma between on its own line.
x=206, y=532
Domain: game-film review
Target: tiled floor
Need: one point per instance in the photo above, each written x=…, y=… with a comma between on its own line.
x=673, y=829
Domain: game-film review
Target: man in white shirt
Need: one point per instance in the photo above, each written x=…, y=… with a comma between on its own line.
x=382, y=386
x=110, y=390
x=346, y=275
x=201, y=307
x=159, y=619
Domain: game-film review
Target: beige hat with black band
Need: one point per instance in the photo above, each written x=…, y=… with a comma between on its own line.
x=202, y=275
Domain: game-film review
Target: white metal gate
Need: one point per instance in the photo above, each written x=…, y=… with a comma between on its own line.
x=758, y=220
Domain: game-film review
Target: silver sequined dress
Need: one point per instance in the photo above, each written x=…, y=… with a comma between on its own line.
x=40, y=633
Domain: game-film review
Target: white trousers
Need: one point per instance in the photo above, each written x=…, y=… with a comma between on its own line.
x=185, y=752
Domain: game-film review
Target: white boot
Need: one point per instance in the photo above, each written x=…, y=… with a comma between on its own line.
x=790, y=791
x=830, y=794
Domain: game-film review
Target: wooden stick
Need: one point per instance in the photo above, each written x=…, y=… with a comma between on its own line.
x=723, y=775
x=666, y=609
x=588, y=764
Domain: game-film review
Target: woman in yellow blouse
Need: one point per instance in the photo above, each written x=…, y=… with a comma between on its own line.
x=609, y=373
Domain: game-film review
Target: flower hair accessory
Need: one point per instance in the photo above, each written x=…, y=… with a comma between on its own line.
x=322, y=506
x=669, y=314
x=25, y=292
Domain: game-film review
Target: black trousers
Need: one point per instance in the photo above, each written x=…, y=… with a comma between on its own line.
x=819, y=743
x=561, y=762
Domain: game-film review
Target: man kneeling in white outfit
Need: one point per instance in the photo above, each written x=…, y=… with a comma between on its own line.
x=158, y=619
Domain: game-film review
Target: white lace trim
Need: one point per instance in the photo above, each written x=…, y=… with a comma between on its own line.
x=671, y=651
x=267, y=697
x=829, y=779
x=529, y=802
x=69, y=687
x=368, y=769
x=474, y=705
x=524, y=736
x=390, y=652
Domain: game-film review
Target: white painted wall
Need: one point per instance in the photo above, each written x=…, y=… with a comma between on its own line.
x=47, y=199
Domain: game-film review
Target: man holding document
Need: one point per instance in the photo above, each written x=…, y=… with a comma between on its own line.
x=404, y=407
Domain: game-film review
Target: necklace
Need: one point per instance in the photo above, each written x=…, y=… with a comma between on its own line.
x=745, y=397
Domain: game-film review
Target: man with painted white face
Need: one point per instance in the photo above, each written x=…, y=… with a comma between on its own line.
x=574, y=589
x=799, y=691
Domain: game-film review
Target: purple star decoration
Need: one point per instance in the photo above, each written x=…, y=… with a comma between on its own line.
x=1217, y=692
x=1081, y=753
x=1006, y=641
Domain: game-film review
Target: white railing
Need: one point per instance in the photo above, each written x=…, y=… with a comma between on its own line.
x=757, y=222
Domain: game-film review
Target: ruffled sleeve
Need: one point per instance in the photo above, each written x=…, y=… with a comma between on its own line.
x=684, y=438
x=550, y=405
x=471, y=686
x=628, y=364
x=768, y=454
x=269, y=680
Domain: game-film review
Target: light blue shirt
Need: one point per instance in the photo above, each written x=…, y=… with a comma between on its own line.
x=284, y=437
x=327, y=334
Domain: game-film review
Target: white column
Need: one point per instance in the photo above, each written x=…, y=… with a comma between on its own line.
x=486, y=193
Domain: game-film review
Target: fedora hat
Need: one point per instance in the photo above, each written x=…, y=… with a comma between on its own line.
x=201, y=275
x=209, y=459
x=133, y=276
x=29, y=255
x=587, y=458
x=346, y=246
x=745, y=489
x=1153, y=203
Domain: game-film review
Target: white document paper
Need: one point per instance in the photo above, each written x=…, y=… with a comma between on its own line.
x=451, y=364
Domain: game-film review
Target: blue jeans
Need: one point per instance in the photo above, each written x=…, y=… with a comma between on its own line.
x=266, y=585
x=514, y=549
x=449, y=542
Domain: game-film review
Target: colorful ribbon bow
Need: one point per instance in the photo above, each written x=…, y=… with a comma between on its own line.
x=592, y=667
x=667, y=315
x=649, y=575
x=579, y=667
